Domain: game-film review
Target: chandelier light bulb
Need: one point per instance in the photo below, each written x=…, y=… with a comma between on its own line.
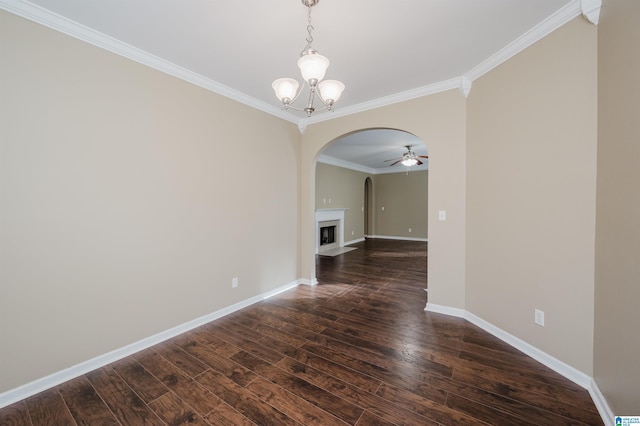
x=313, y=66
x=330, y=90
x=286, y=89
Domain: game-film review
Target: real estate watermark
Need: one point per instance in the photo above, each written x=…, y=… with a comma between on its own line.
x=627, y=421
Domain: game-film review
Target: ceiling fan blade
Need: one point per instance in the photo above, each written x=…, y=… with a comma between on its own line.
x=393, y=164
x=389, y=160
x=422, y=156
x=419, y=162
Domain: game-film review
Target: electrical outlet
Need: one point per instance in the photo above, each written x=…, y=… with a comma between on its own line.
x=539, y=317
x=234, y=282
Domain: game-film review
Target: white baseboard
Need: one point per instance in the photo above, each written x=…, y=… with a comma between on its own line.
x=601, y=404
x=357, y=240
x=439, y=309
x=308, y=281
x=17, y=394
x=388, y=237
x=573, y=374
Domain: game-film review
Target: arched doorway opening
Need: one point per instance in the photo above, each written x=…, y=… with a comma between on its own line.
x=361, y=173
x=368, y=207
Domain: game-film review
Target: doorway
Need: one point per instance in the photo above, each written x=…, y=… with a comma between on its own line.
x=368, y=207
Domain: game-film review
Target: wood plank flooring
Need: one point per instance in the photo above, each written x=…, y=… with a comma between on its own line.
x=357, y=349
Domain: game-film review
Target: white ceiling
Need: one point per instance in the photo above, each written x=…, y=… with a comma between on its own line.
x=383, y=50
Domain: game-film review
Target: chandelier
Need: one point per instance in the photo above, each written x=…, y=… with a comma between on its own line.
x=313, y=67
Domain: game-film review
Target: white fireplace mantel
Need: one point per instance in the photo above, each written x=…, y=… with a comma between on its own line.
x=325, y=215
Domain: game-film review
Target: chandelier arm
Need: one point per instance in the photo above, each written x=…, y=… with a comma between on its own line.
x=295, y=98
x=326, y=104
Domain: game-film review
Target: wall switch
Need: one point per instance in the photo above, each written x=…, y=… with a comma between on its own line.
x=353, y=232
x=539, y=317
x=324, y=201
x=442, y=215
x=409, y=229
x=234, y=282
x=382, y=208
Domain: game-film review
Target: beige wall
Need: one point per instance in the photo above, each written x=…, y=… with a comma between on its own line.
x=337, y=187
x=123, y=208
x=404, y=198
x=531, y=170
x=617, y=346
x=440, y=121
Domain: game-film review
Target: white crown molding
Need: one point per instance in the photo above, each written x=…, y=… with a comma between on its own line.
x=591, y=10
x=419, y=92
x=464, y=82
x=325, y=159
x=14, y=395
x=573, y=374
x=541, y=30
x=465, y=86
x=332, y=161
x=71, y=28
x=398, y=168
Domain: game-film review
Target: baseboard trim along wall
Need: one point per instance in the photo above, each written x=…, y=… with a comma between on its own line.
x=357, y=240
x=308, y=281
x=387, y=237
x=573, y=374
x=14, y=395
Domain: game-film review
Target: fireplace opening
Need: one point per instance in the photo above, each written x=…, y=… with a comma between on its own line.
x=327, y=235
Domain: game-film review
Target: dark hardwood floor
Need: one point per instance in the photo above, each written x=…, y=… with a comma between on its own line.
x=357, y=349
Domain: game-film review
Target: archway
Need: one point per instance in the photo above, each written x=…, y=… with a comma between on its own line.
x=368, y=207
x=345, y=171
x=440, y=121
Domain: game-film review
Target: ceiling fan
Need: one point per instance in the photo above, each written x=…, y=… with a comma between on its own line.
x=408, y=159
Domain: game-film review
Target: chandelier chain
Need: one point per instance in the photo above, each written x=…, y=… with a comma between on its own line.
x=309, y=29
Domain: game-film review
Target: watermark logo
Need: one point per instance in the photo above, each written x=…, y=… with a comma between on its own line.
x=627, y=421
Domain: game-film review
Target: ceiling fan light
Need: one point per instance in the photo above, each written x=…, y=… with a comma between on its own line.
x=330, y=90
x=409, y=162
x=286, y=89
x=313, y=66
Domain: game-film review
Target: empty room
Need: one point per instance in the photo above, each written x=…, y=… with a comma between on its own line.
x=203, y=220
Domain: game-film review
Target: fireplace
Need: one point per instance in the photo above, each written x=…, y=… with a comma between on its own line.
x=329, y=229
x=328, y=233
